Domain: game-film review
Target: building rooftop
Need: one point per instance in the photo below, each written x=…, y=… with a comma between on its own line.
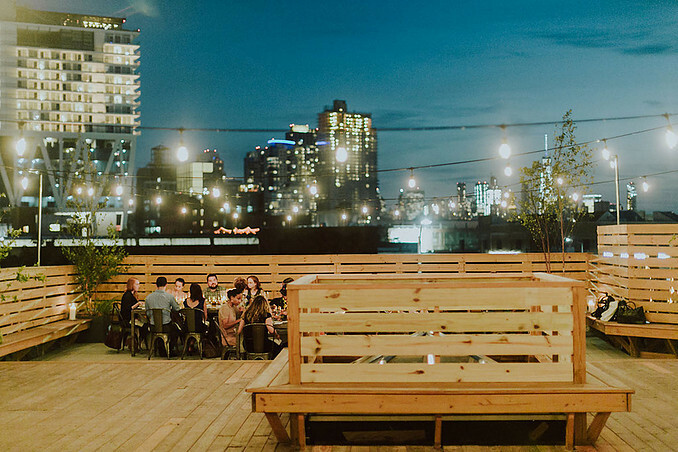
x=33, y=16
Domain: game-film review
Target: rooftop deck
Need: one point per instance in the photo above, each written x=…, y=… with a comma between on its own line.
x=87, y=397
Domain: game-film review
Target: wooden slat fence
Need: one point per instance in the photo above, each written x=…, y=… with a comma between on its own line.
x=639, y=263
x=271, y=270
x=32, y=303
x=535, y=323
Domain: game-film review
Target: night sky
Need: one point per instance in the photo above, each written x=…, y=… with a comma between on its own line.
x=266, y=64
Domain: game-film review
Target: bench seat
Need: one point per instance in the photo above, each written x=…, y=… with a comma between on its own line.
x=272, y=395
x=625, y=334
x=25, y=339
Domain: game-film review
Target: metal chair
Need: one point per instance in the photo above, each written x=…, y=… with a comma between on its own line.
x=158, y=333
x=230, y=350
x=255, y=341
x=125, y=329
x=193, y=318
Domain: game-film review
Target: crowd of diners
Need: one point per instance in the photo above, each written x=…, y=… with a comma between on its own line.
x=245, y=302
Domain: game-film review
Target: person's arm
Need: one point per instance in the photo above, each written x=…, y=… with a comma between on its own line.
x=226, y=321
x=174, y=304
x=269, y=325
x=240, y=327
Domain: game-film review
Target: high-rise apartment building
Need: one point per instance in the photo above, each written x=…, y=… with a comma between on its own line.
x=482, y=195
x=69, y=93
x=631, y=196
x=347, y=178
x=286, y=172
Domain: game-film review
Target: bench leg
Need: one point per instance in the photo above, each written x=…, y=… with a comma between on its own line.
x=596, y=427
x=672, y=347
x=580, y=438
x=301, y=430
x=569, y=431
x=277, y=427
x=438, y=433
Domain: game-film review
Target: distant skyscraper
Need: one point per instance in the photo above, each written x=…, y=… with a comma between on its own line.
x=494, y=196
x=463, y=205
x=286, y=172
x=631, y=196
x=347, y=175
x=411, y=203
x=69, y=95
x=481, y=192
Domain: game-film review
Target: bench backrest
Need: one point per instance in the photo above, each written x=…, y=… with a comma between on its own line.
x=639, y=263
x=440, y=329
x=25, y=304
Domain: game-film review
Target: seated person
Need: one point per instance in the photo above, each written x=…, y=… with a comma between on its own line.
x=279, y=304
x=252, y=290
x=240, y=284
x=229, y=316
x=178, y=290
x=129, y=301
x=160, y=299
x=258, y=312
x=214, y=293
x=197, y=301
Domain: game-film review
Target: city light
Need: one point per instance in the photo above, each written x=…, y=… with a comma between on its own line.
x=226, y=206
x=118, y=190
x=295, y=209
x=235, y=215
x=90, y=191
x=158, y=200
x=575, y=197
x=560, y=180
x=343, y=216
x=365, y=210
x=342, y=155
x=78, y=190
x=289, y=217
x=504, y=204
x=313, y=189
x=216, y=192
x=130, y=202
x=21, y=146
x=24, y=182
x=184, y=210
x=396, y=213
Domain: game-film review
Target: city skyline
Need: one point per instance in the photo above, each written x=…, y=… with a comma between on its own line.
x=448, y=65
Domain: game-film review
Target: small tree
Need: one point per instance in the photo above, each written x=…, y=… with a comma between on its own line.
x=548, y=207
x=96, y=259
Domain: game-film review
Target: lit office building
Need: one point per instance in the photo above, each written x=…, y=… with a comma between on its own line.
x=631, y=196
x=347, y=175
x=286, y=172
x=482, y=195
x=68, y=108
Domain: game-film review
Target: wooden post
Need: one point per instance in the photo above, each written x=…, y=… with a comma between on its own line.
x=293, y=336
x=438, y=433
x=579, y=334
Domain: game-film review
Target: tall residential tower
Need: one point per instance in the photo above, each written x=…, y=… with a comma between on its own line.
x=69, y=93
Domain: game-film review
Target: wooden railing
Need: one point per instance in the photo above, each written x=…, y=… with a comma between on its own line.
x=639, y=263
x=433, y=324
x=271, y=270
x=35, y=296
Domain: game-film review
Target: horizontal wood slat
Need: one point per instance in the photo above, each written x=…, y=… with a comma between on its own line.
x=423, y=373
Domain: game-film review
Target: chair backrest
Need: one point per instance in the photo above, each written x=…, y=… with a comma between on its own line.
x=156, y=327
x=116, y=316
x=254, y=338
x=192, y=317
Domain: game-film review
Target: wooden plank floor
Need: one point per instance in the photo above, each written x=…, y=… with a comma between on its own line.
x=89, y=398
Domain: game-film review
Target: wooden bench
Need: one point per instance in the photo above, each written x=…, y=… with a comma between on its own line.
x=627, y=336
x=35, y=311
x=493, y=345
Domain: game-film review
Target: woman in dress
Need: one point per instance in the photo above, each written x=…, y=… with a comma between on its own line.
x=178, y=290
x=228, y=317
x=129, y=300
x=196, y=300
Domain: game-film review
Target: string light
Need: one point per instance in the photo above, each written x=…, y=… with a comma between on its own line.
x=341, y=155
x=606, y=152
x=20, y=146
x=412, y=182
x=78, y=190
x=645, y=185
x=182, y=151
x=313, y=189
x=184, y=210
x=560, y=180
x=504, y=148
x=365, y=210
x=396, y=213
x=90, y=191
x=216, y=192
x=158, y=200
x=508, y=171
x=118, y=190
x=24, y=182
x=575, y=197
x=671, y=137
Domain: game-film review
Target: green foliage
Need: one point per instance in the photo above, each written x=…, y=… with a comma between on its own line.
x=546, y=207
x=95, y=260
x=7, y=243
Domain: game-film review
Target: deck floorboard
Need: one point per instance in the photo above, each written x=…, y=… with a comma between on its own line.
x=89, y=398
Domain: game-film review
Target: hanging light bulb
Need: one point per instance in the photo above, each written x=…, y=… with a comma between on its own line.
x=504, y=148
x=78, y=190
x=645, y=185
x=158, y=200
x=560, y=181
x=575, y=197
x=24, y=182
x=508, y=171
x=216, y=192
x=341, y=155
x=606, y=151
x=182, y=151
x=20, y=146
x=671, y=137
x=612, y=164
x=90, y=191
x=184, y=210
x=313, y=189
x=118, y=190
x=412, y=182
